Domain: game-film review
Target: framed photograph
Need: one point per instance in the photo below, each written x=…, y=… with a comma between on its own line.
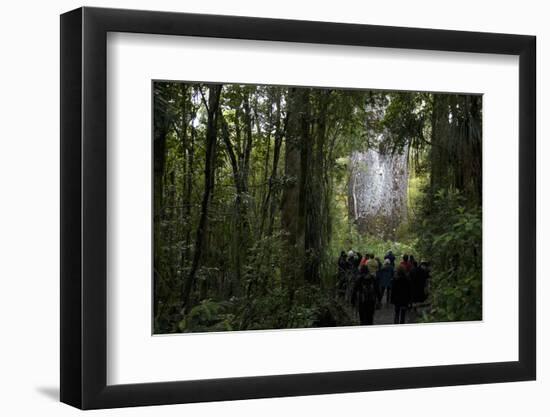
x=256, y=208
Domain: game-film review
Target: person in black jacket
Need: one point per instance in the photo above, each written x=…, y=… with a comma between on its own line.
x=391, y=257
x=418, y=278
x=343, y=268
x=364, y=296
x=342, y=262
x=401, y=294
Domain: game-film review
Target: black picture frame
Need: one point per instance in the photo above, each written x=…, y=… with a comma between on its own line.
x=84, y=207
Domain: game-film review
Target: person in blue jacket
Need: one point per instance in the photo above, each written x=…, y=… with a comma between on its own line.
x=391, y=257
x=385, y=281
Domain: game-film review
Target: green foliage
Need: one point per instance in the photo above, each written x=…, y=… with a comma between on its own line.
x=208, y=316
x=406, y=118
x=310, y=308
x=450, y=237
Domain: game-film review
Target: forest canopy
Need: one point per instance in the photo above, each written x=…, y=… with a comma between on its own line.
x=259, y=189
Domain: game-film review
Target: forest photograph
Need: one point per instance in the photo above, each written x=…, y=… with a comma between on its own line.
x=284, y=207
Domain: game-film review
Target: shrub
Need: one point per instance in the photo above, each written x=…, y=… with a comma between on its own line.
x=451, y=238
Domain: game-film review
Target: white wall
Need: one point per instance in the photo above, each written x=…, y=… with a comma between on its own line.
x=29, y=176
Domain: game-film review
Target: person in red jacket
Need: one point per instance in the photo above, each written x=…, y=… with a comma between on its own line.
x=406, y=264
x=364, y=260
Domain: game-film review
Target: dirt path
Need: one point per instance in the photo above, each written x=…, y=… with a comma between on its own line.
x=385, y=315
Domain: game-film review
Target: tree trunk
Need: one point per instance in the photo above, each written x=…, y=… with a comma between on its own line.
x=270, y=202
x=315, y=190
x=292, y=204
x=159, y=150
x=240, y=165
x=189, y=192
x=209, y=175
x=237, y=237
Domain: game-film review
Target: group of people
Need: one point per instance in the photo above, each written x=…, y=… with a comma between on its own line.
x=364, y=280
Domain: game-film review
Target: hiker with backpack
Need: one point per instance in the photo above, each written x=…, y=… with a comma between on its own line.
x=373, y=264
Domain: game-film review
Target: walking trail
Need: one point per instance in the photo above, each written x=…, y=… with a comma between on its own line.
x=384, y=315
